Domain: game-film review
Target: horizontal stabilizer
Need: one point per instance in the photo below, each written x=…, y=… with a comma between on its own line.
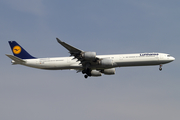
x=16, y=59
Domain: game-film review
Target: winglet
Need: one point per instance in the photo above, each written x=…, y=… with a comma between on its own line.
x=59, y=41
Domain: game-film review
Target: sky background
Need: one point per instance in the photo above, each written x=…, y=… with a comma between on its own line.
x=103, y=26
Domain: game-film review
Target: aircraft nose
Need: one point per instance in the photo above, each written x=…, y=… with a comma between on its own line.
x=172, y=58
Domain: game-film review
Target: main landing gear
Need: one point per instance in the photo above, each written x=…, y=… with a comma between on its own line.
x=160, y=67
x=87, y=72
x=85, y=76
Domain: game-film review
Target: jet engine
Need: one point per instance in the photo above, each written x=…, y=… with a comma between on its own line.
x=89, y=55
x=106, y=62
x=110, y=71
x=95, y=73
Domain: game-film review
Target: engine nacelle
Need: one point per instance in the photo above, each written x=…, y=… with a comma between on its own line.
x=95, y=73
x=110, y=71
x=89, y=55
x=106, y=62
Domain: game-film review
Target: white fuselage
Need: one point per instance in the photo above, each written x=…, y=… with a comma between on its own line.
x=119, y=60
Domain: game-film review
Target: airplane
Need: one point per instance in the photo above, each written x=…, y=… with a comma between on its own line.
x=88, y=63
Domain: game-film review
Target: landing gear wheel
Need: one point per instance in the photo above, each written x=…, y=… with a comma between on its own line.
x=85, y=76
x=160, y=67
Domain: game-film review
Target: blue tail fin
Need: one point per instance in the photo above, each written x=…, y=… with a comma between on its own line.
x=18, y=51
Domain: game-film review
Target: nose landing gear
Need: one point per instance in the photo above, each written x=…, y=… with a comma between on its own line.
x=160, y=67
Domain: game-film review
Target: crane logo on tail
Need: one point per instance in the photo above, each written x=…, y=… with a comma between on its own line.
x=16, y=49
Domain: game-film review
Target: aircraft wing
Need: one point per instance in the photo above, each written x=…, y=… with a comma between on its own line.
x=79, y=54
x=72, y=50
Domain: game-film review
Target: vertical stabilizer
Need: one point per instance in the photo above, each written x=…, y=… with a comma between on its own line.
x=18, y=51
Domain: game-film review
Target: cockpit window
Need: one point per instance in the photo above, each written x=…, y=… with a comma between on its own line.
x=168, y=55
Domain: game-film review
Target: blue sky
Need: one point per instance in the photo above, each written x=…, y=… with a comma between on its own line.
x=106, y=27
